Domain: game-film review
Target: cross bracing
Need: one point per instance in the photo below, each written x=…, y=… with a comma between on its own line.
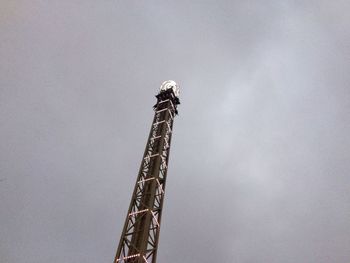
x=140, y=236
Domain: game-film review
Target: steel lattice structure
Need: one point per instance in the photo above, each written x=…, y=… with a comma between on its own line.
x=139, y=239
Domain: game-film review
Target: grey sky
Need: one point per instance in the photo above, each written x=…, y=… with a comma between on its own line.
x=259, y=167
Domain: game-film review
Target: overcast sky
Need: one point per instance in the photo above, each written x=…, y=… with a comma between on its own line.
x=259, y=165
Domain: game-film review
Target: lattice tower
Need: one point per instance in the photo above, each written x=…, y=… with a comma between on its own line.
x=140, y=235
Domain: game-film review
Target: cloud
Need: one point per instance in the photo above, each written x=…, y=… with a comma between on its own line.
x=258, y=169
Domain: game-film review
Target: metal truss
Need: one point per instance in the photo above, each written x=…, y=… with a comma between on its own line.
x=139, y=239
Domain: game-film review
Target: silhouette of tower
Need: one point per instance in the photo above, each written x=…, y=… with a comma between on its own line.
x=140, y=236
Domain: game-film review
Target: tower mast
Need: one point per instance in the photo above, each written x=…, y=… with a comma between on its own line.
x=140, y=235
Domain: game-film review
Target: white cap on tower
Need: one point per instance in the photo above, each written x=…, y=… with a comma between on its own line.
x=170, y=84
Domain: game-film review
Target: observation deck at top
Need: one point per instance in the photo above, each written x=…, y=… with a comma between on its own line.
x=169, y=90
x=170, y=84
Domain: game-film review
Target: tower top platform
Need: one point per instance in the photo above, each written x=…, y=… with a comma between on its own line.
x=170, y=84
